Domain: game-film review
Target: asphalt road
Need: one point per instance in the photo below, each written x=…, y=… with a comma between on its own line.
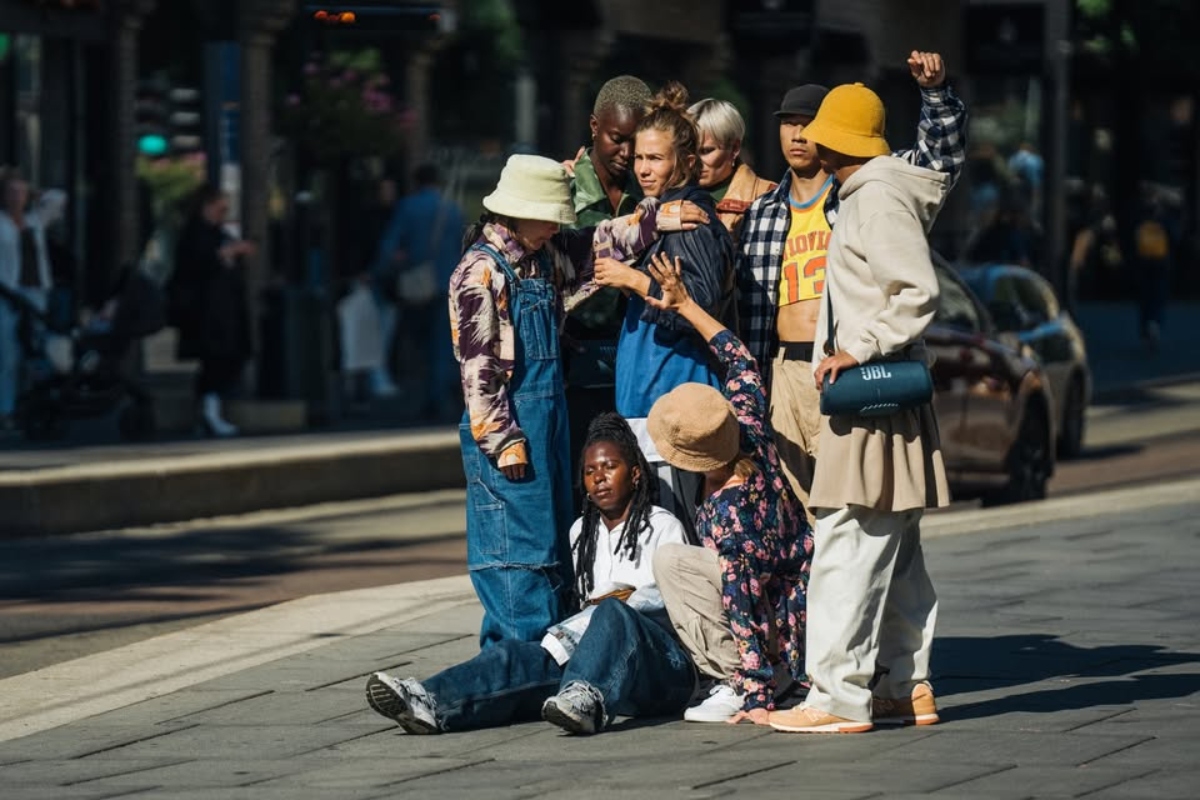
x=66, y=597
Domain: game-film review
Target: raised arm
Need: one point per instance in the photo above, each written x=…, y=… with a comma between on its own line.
x=941, y=131
x=743, y=383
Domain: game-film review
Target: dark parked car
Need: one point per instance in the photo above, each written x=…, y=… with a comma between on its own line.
x=993, y=401
x=1023, y=303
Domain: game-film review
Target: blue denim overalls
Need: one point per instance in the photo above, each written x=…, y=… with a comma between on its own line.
x=517, y=531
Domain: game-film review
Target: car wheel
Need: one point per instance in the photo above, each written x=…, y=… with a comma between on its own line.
x=1070, y=442
x=1028, y=461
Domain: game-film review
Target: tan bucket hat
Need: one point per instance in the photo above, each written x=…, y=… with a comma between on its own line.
x=533, y=187
x=694, y=428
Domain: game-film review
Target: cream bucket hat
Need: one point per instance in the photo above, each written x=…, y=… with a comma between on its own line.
x=533, y=187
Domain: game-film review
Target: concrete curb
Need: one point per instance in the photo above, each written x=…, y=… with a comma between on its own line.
x=100, y=496
x=152, y=491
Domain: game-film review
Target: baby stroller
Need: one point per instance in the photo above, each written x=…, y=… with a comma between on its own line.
x=80, y=373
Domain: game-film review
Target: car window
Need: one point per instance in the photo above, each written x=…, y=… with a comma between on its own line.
x=1033, y=301
x=1049, y=298
x=956, y=307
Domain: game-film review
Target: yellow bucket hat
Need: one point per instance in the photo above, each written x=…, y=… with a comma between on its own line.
x=850, y=121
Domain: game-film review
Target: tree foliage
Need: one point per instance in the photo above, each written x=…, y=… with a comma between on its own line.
x=1157, y=37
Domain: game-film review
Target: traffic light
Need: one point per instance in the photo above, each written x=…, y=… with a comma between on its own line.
x=151, y=118
x=381, y=16
x=185, y=120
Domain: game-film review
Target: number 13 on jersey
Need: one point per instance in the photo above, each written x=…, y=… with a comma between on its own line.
x=802, y=284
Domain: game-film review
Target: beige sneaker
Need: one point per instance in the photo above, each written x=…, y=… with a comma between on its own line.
x=919, y=709
x=806, y=719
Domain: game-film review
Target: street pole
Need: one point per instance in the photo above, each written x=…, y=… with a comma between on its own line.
x=1058, y=74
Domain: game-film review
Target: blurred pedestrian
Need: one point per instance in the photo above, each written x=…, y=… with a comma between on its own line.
x=657, y=350
x=420, y=247
x=871, y=604
x=1006, y=239
x=518, y=274
x=206, y=301
x=723, y=174
x=365, y=226
x=1154, y=245
x=25, y=270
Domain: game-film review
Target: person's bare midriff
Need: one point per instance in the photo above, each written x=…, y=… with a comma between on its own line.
x=798, y=322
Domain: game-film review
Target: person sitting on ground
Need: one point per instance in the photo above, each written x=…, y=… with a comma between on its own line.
x=753, y=568
x=626, y=660
x=723, y=173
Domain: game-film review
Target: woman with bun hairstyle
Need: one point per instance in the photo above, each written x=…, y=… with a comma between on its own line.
x=658, y=350
x=507, y=297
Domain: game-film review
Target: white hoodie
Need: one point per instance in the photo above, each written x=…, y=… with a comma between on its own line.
x=879, y=276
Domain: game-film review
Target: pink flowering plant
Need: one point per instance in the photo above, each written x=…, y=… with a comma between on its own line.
x=345, y=108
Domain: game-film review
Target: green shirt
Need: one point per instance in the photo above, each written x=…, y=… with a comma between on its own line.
x=718, y=192
x=592, y=205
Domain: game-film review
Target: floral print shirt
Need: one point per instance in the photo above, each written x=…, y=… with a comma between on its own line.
x=762, y=540
x=481, y=324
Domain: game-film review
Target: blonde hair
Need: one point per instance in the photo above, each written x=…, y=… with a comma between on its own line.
x=721, y=119
x=744, y=466
x=667, y=113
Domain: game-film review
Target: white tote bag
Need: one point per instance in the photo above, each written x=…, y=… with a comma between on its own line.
x=362, y=336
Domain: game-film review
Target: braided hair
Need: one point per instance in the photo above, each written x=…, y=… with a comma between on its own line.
x=612, y=428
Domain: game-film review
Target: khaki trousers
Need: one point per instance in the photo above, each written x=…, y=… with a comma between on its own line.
x=689, y=579
x=870, y=605
x=796, y=419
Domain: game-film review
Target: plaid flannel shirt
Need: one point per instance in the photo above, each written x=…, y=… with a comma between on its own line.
x=941, y=145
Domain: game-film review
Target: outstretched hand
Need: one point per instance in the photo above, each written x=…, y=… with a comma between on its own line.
x=927, y=69
x=674, y=294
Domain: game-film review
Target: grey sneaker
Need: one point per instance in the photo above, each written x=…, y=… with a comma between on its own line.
x=577, y=708
x=404, y=701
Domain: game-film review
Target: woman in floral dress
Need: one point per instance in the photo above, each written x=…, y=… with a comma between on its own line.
x=749, y=518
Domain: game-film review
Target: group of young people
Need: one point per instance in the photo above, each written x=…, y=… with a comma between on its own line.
x=723, y=561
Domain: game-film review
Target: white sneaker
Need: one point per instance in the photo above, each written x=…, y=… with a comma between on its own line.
x=721, y=705
x=404, y=701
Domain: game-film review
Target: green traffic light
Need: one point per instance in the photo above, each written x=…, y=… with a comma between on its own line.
x=153, y=144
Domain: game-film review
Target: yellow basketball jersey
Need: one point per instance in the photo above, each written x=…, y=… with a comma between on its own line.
x=803, y=273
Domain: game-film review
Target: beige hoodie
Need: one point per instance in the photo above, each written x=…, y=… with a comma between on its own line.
x=879, y=276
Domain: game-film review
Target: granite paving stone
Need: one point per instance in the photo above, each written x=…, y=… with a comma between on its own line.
x=1067, y=665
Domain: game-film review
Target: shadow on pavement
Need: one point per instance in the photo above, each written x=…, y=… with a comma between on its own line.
x=974, y=664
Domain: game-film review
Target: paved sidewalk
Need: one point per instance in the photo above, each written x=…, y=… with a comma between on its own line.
x=1068, y=664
